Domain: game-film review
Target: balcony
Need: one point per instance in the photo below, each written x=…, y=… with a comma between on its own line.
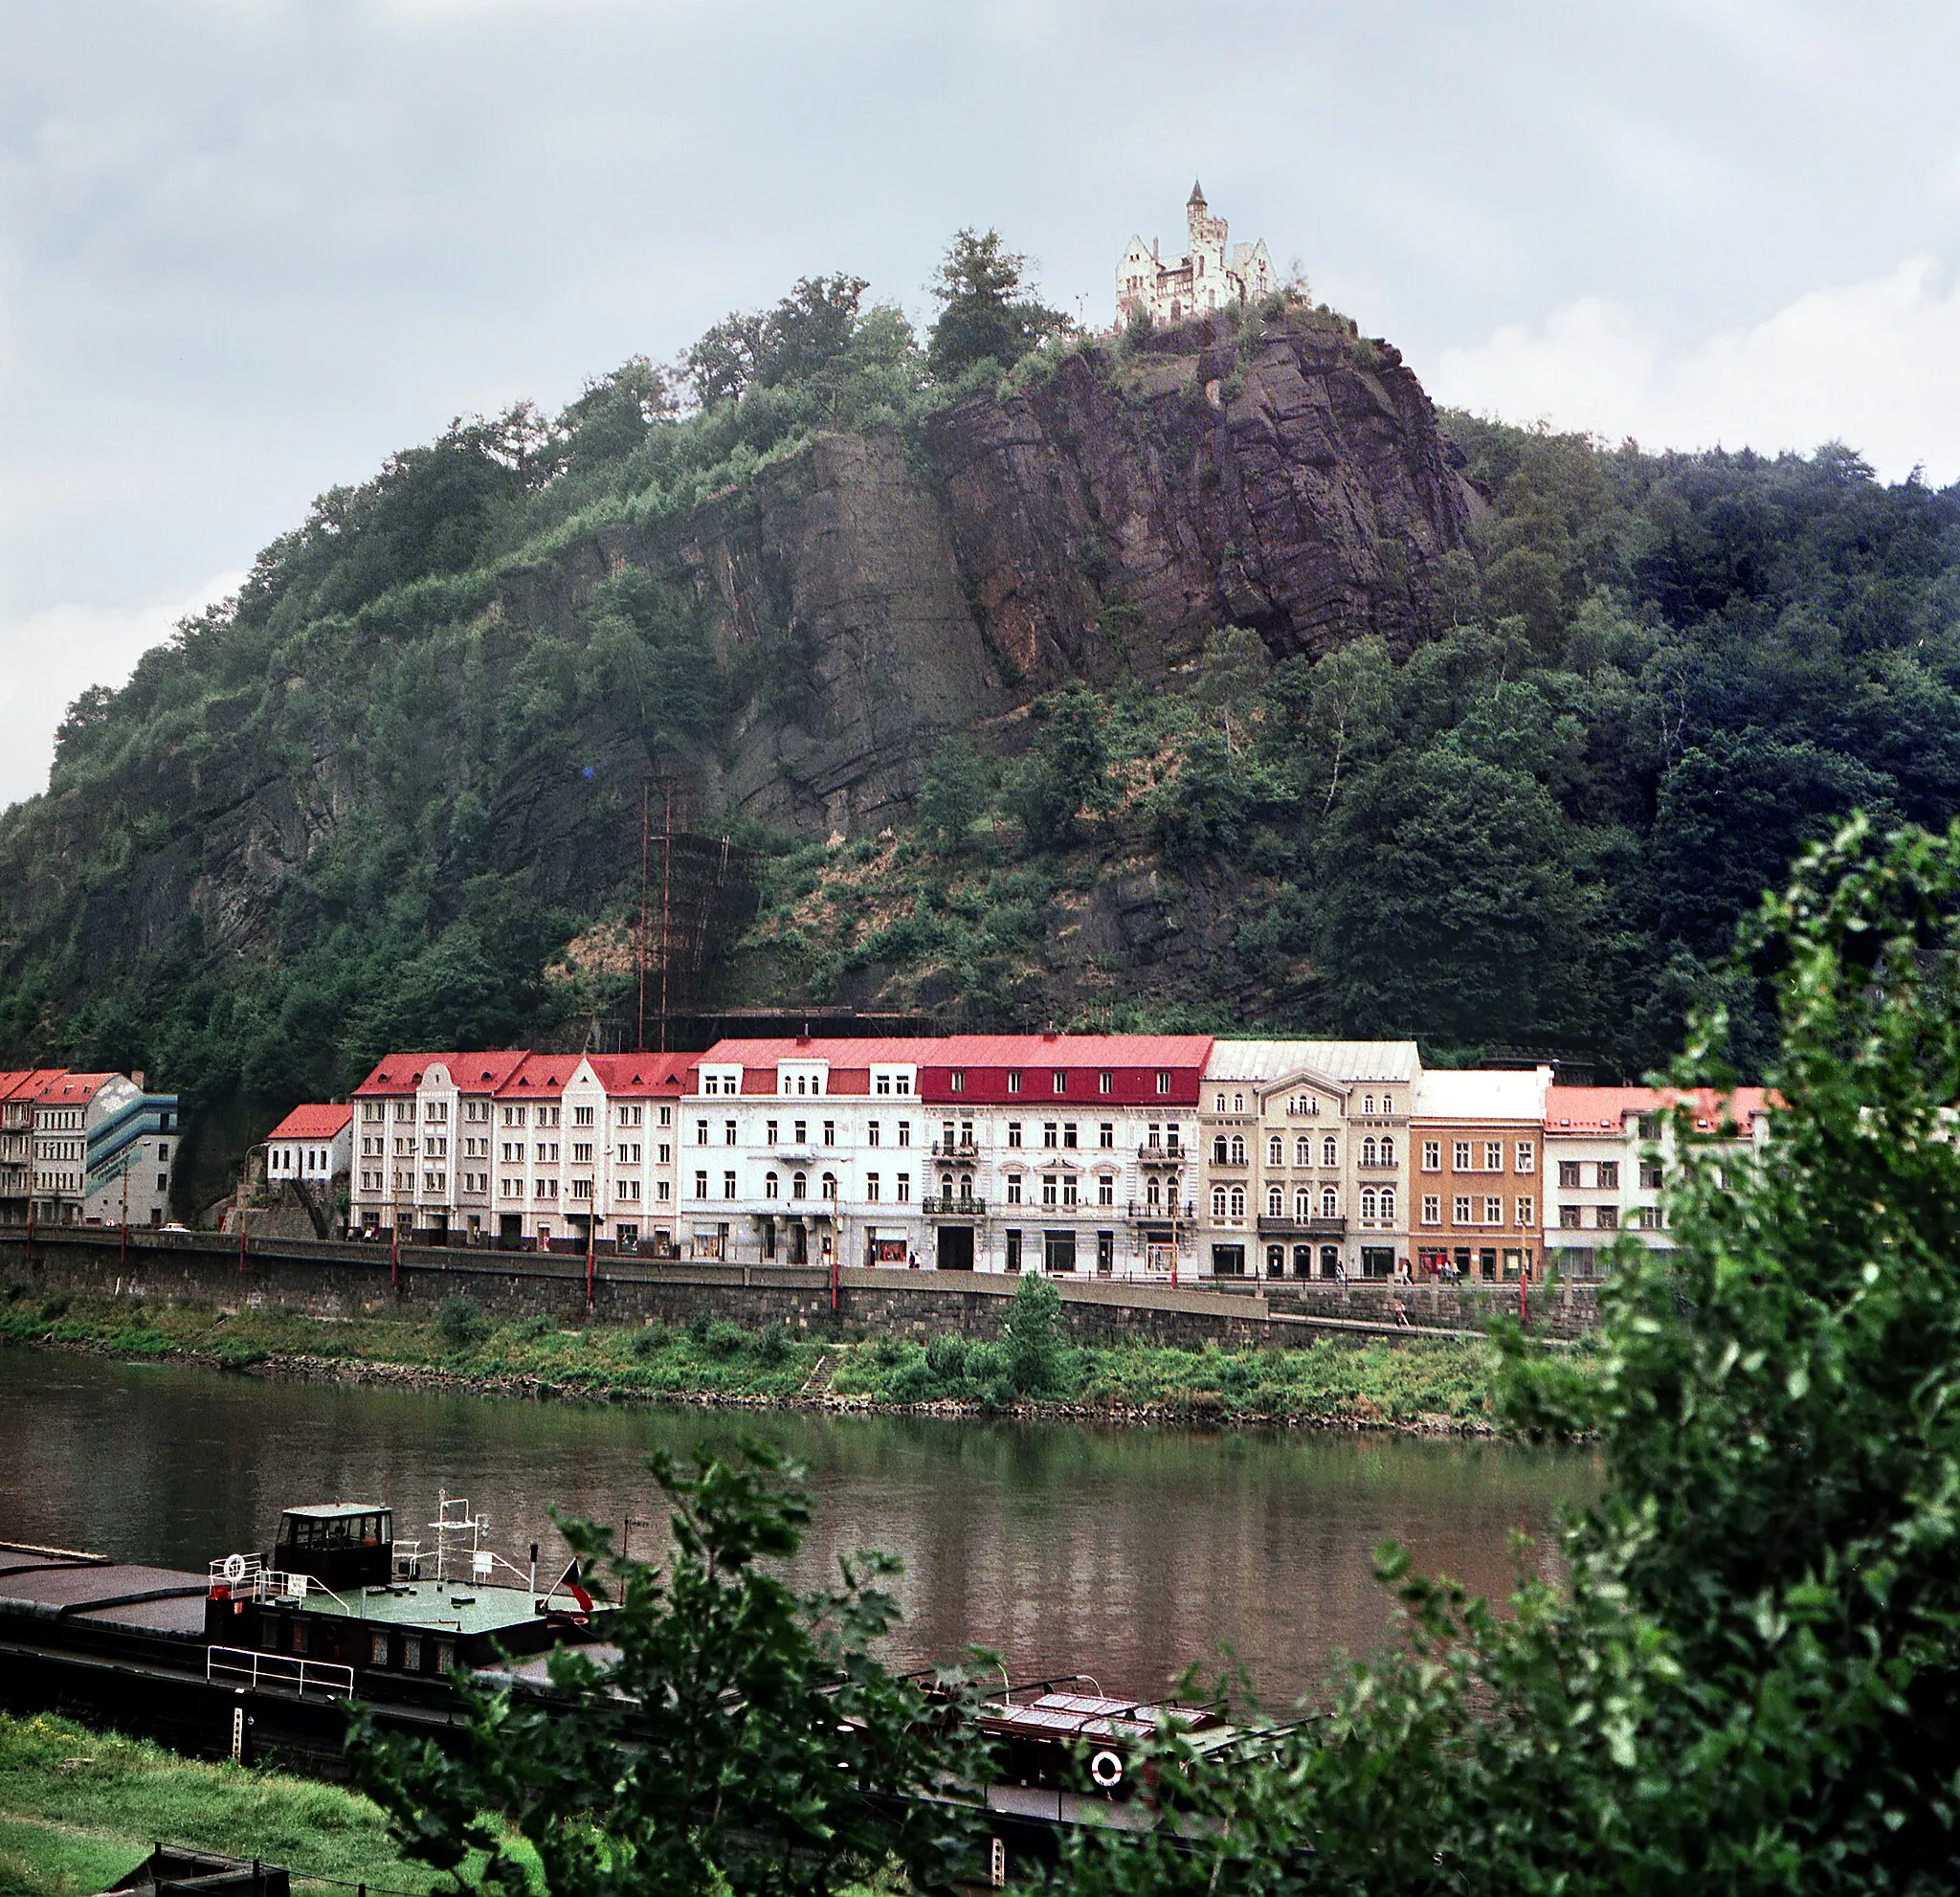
x=1303, y=1228
x=952, y=1206
x=1163, y=1155
x=967, y=1150
x=1169, y=1212
x=1377, y=1165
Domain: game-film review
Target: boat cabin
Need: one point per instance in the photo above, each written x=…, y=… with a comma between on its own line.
x=340, y=1544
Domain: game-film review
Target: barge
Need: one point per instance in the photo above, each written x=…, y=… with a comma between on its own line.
x=257, y=1659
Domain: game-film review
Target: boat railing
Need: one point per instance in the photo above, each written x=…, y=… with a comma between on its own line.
x=277, y=1672
x=246, y=1577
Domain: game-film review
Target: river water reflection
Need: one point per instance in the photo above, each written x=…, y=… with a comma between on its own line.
x=1122, y=1554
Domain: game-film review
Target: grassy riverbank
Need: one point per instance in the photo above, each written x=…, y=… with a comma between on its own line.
x=1417, y=1385
x=78, y=1808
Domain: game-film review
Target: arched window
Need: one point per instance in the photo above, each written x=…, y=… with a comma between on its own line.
x=1302, y=1151
x=1151, y=1189
x=799, y=1185
x=1387, y=1102
x=1368, y=1103
x=966, y=1185
x=1368, y=1153
x=945, y=1185
x=1217, y=1201
x=1237, y=1150
x=1276, y=1150
x=816, y=1083
x=1330, y=1204
x=772, y=1185
x=830, y=1185
x=1303, y=1205
x=1272, y=1202
x=1330, y=1151
x=1368, y=1202
x=1218, y=1150
x=1388, y=1201
x=799, y=1083
x=1238, y=1201
x=1238, y=1103
x=1388, y=1151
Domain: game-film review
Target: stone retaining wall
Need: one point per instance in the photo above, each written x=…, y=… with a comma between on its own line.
x=340, y=1280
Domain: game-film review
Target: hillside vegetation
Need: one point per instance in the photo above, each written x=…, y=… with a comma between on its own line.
x=1455, y=729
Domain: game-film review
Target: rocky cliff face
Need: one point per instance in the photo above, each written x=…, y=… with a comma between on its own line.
x=1097, y=523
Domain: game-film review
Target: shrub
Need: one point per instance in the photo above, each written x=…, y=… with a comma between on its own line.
x=534, y=1328
x=56, y=1307
x=459, y=1323
x=774, y=1346
x=1034, y=1336
x=946, y=1358
x=716, y=1337
x=650, y=1341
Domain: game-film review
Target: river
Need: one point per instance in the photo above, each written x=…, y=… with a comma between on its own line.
x=1126, y=1554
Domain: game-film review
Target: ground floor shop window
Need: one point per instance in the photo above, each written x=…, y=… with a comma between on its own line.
x=1014, y=1251
x=1059, y=1251
x=1228, y=1260
x=1377, y=1260
x=1276, y=1260
x=1303, y=1260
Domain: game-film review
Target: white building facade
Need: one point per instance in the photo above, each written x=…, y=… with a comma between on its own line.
x=1213, y=275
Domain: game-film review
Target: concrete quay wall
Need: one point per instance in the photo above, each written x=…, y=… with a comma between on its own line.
x=341, y=1281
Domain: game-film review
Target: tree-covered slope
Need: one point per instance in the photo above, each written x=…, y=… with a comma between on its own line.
x=1196, y=675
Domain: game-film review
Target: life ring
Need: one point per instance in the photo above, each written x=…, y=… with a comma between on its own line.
x=234, y=1568
x=1107, y=1770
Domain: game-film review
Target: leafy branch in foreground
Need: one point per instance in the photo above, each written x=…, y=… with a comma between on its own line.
x=1751, y=1681
x=742, y=1740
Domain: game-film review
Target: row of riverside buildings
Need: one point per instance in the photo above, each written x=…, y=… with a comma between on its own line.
x=1159, y=1157
x=85, y=1149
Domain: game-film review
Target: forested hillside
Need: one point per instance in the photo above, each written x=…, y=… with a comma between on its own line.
x=1203, y=675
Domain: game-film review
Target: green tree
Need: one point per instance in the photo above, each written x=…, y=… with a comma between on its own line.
x=1067, y=772
x=988, y=311
x=953, y=797
x=1033, y=1336
x=739, y=1739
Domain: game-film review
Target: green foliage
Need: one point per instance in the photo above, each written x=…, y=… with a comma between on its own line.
x=459, y=1323
x=988, y=313
x=953, y=795
x=1748, y=1681
x=1066, y=773
x=744, y=1739
x=1034, y=1336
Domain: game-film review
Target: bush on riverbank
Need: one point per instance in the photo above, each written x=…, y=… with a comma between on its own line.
x=77, y=1808
x=1376, y=1385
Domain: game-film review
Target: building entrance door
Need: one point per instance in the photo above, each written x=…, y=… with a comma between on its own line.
x=956, y=1248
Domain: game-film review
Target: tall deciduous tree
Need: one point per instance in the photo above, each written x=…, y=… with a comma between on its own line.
x=987, y=309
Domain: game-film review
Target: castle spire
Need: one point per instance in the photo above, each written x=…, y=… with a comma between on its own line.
x=1198, y=193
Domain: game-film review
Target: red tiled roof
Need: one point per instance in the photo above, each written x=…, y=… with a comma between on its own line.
x=539, y=1077
x=66, y=1090
x=845, y=1052
x=312, y=1123
x=1074, y=1050
x=1595, y=1109
x=640, y=1076
x=472, y=1072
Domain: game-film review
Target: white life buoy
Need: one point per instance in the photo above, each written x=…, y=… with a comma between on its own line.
x=234, y=1568
x=1107, y=1770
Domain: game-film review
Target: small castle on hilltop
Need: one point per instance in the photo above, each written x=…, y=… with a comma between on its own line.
x=1209, y=279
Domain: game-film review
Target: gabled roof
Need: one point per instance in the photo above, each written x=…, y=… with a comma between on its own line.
x=313, y=1122
x=1348, y=1060
x=539, y=1077
x=472, y=1072
x=1571, y=1111
x=64, y=1089
x=641, y=1076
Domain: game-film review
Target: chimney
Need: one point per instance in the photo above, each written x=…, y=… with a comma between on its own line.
x=136, y=1075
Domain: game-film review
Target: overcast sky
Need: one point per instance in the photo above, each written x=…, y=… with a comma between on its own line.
x=248, y=247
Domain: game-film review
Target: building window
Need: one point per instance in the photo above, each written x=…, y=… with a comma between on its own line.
x=1568, y=1218
x=1493, y=1155
x=1238, y=1201
x=1276, y=1151
x=1303, y=1205
x=1013, y=1188
x=1569, y=1174
x=1461, y=1150
x=1048, y=1188
x=1068, y=1134
x=1238, y=1150
x=1049, y=1133
x=727, y=1185
x=1106, y=1189
x=1368, y=1202
x=1650, y=1176
x=1330, y=1203
x=1330, y=1154
x=1061, y=1082
x=799, y=1132
x=1432, y=1209
x=1069, y=1194
x=1459, y=1208
x=1106, y=1135
x=1238, y=1103
x=871, y=1187
x=1388, y=1203
x=1528, y=1157
x=957, y=1081
x=1302, y=1151
x=1368, y=1103
x=1217, y=1201
x=1526, y=1208
x=701, y=1133
x=1609, y=1174
x=1493, y=1212
x=871, y=1133
x=799, y=1185
x=1606, y=1218
x=1013, y=1083
x=1013, y=1132
x=1389, y=1150
x=581, y=1116
x=1368, y=1153
x=1431, y=1156
x=905, y=1132
x=1273, y=1202
x=1105, y=1081
x=1163, y=1082
x=701, y=1185
x=904, y=1188
x=828, y=1186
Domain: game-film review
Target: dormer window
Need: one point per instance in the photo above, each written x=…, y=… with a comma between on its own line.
x=1061, y=1082
x=1013, y=1083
